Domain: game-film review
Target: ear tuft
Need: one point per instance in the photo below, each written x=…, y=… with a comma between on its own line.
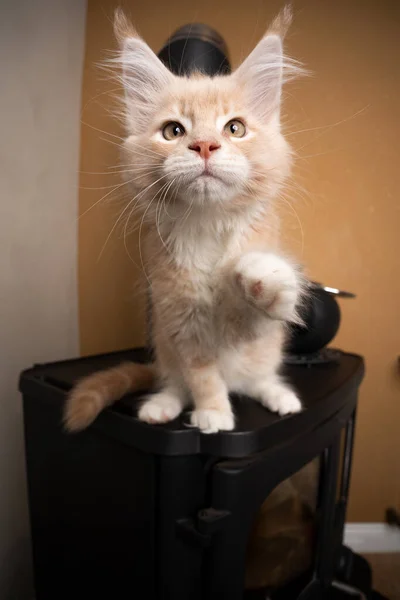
x=280, y=25
x=123, y=28
x=266, y=68
x=143, y=75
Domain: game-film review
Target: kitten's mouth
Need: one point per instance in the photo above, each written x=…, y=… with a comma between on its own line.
x=208, y=182
x=207, y=174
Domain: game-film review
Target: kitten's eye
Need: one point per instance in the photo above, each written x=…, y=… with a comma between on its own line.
x=235, y=128
x=173, y=130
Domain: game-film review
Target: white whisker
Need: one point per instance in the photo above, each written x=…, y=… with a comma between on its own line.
x=111, y=142
x=331, y=125
x=124, y=211
x=127, y=223
x=114, y=188
x=118, y=137
x=159, y=207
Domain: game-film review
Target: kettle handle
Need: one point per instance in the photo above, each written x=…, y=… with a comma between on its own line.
x=333, y=291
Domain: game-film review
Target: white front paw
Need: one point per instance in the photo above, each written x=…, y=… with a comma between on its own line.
x=210, y=420
x=270, y=283
x=282, y=401
x=160, y=408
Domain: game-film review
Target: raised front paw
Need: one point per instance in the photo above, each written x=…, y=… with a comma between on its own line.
x=270, y=283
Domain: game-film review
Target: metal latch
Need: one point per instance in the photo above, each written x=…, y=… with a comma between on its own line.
x=201, y=529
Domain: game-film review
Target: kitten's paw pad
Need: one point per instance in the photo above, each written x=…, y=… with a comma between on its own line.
x=283, y=402
x=209, y=420
x=161, y=408
x=269, y=282
x=81, y=409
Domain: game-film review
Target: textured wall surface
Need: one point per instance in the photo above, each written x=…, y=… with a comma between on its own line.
x=41, y=52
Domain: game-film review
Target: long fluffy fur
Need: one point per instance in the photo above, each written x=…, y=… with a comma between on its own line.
x=221, y=293
x=92, y=394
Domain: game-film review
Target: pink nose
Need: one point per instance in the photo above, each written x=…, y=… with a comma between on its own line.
x=204, y=148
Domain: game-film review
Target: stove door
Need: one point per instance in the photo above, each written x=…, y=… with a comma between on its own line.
x=249, y=498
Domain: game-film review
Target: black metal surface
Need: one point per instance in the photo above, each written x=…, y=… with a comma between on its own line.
x=181, y=493
x=196, y=48
x=92, y=505
x=323, y=389
x=240, y=486
x=354, y=570
x=111, y=518
x=346, y=475
x=325, y=551
x=321, y=316
x=323, y=357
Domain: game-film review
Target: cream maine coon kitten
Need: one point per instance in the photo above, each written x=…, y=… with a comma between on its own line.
x=213, y=151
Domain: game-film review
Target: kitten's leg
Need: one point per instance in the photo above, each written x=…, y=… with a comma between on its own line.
x=213, y=411
x=275, y=394
x=270, y=283
x=163, y=406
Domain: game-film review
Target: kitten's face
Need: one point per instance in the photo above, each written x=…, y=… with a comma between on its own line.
x=204, y=141
x=209, y=145
x=204, y=137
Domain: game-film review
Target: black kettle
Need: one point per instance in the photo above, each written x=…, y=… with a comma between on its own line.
x=196, y=47
x=321, y=317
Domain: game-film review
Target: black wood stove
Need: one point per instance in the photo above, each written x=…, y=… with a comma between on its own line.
x=126, y=510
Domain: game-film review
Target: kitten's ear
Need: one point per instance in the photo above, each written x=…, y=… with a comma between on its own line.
x=143, y=74
x=262, y=72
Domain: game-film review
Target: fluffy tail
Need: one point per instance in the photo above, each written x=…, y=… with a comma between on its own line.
x=95, y=392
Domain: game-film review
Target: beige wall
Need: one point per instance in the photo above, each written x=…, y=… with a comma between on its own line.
x=349, y=213
x=41, y=51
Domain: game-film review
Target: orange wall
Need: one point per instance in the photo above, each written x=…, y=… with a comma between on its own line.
x=344, y=123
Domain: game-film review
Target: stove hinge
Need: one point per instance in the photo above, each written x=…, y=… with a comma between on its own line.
x=201, y=529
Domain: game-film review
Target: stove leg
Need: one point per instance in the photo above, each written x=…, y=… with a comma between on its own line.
x=346, y=474
x=325, y=552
